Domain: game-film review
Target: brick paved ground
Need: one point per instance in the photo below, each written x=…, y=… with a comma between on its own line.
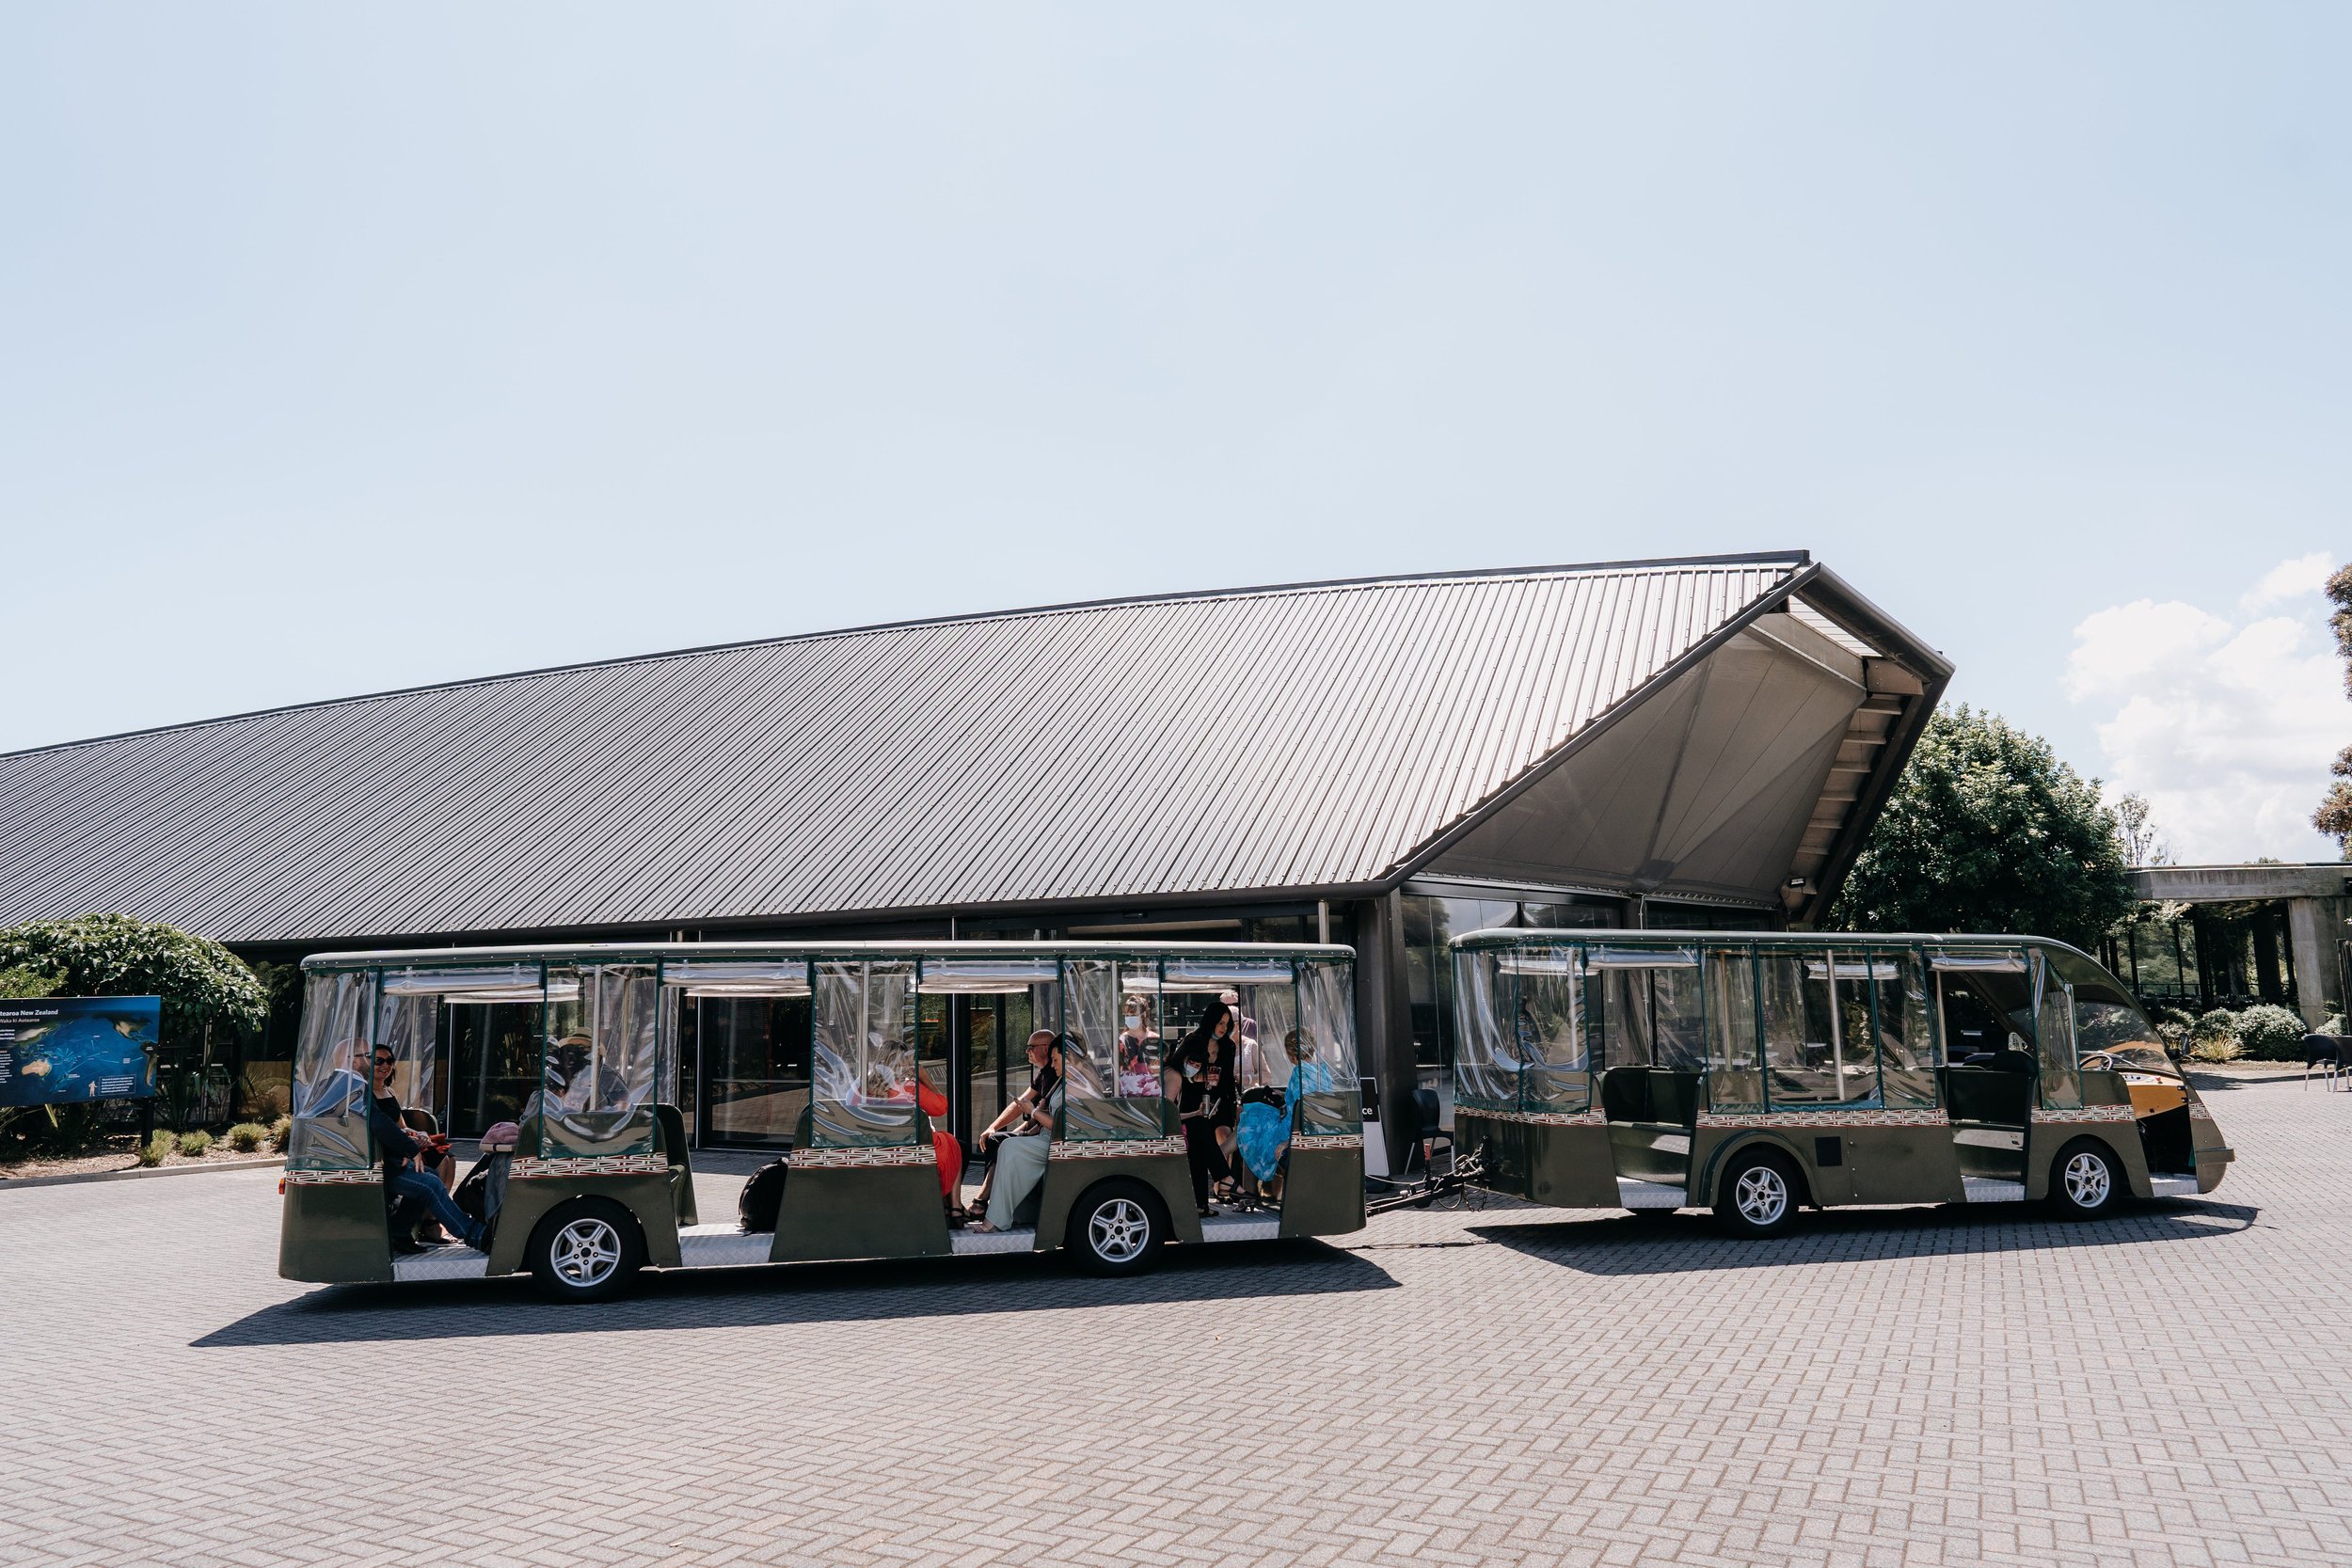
x=2171, y=1388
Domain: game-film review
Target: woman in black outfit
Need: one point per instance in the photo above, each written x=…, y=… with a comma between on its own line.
x=1210, y=1046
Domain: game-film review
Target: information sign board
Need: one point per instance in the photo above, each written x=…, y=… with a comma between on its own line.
x=59, y=1049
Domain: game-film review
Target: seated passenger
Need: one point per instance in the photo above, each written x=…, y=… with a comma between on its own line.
x=1268, y=1123
x=1021, y=1152
x=944, y=1145
x=1015, y=1118
x=1138, y=1043
x=404, y=1176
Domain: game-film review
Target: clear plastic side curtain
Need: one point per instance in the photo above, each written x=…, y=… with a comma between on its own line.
x=331, y=1091
x=410, y=1026
x=2054, y=1036
x=1322, y=1083
x=1486, y=1060
x=1111, y=1078
x=1549, y=1024
x=601, y=1059
x=862, y=1056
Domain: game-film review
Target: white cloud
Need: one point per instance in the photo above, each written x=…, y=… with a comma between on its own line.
x=2304, y=574
x=2226, y=726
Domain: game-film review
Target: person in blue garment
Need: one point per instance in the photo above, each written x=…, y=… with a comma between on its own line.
x=1266, y=1127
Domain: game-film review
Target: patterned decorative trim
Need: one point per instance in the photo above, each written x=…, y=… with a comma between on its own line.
x=891, y=1154
x=2084, y=1112
x=1114, y=1149
x=1794, y=1120
x=373, y=1176
x=1327, y=1140
x=1544, y=1119
x=588, y=1165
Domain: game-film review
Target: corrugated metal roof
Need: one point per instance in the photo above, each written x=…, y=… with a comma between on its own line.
x=1267, y=738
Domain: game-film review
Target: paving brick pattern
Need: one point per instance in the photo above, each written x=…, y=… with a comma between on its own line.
x=1900, y=1386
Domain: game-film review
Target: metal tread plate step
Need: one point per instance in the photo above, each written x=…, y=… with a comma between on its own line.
x=1986, y=1189
x=443, y=1262
x=1649, y=1195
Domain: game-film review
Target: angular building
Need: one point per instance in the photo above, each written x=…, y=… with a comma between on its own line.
x=1380, y=762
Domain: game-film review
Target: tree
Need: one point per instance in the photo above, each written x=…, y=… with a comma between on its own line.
x=1988, y=831
x=2334, y=816
x=2142, y=844
x=111, y=955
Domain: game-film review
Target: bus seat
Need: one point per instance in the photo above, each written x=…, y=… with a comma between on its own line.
x=670, y=1128
x=1674, y=1097
x=1625, y=1094
x=1987, y=1094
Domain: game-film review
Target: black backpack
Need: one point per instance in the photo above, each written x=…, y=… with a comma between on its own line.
x=763, y=1197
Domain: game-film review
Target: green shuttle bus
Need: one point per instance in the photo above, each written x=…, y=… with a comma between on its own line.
x=600, y=1180
x=1758, y=1072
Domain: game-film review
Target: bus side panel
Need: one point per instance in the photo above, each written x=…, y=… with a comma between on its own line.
x=1712, y=1148
x=830, y=1213
x=1903, y=1165
x=2212, y=1155
x=334, y=1233
x=1565, y=1167
x=1068, y=1177
x=649, y=1198
x=1503, y=1148
x=1323, y=1192
x=2121, y=1139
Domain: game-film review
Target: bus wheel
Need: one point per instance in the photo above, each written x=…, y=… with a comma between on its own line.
x=1117, y=1229
x=1759, y=1195
x=2083, y=1184
x=587, y=1250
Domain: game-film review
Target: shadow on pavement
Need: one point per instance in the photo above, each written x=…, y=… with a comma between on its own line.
x=798, y=1293
x=1689, y=1243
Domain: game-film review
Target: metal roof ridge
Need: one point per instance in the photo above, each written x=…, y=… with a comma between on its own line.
x=1793, y=558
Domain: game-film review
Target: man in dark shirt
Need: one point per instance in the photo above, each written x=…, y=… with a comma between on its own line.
x=402, y=1148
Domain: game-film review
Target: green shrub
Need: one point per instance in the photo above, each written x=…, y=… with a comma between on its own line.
x=158, y=1149
x=196, y=1145
x=280, y=1133
x=2216, y=1025
x=2217, y=1048
x=2271, y=1033
x=246, y=1136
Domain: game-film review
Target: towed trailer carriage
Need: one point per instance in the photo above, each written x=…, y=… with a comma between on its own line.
x=601, y=1180
x=1756, y=1073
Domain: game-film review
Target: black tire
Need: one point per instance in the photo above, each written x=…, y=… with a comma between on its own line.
x=588, y=1249
x=2085, y=1180
x=1116, y=1228
x=1760, y=1195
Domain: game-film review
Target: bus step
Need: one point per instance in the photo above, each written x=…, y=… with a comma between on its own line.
x=2172, y=1186
x=1649, y=1195
x=967, y=1244
x=720, y=1247
x=1241, y=1227
x=443, y=1262
x=1985, y=1189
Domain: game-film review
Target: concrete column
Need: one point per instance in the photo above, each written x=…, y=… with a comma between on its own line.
x=2314, y=972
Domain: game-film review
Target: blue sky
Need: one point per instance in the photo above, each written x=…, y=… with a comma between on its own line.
x=344, y=349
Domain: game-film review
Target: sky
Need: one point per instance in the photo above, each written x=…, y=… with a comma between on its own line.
x=348, y=348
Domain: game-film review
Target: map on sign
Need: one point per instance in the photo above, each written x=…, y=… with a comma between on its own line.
x=57, y=1048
